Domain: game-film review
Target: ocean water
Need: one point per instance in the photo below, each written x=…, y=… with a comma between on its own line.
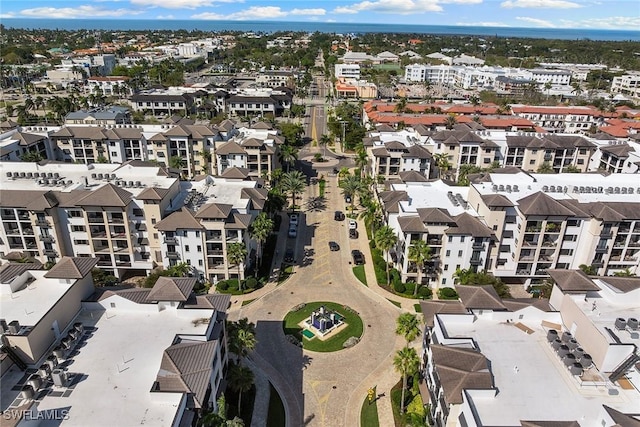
x=323, y=27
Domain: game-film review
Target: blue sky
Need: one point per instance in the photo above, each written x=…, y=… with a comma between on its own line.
x=596, y=14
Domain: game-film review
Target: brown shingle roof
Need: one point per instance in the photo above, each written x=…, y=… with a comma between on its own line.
x=435, y=215
x=480, y=297
x=549, y=424
x=470, y=225
x=72, y=268
x=137, y=295
x=431, y=308
x=230, y=147
x=235, y=173
x=572, y=280
x=621, y=419
x=152, y=193
x=516, y=304
x=543, y=205
x=497, y=200
x=107, y=195
x=218, y=302
x=623, y=284
x=412, y=176
x=391, y=200
x=460, y=369
x=411, y=224
x=13, y=269
x=44, y=201
x=214, y=210
x=172, y=289
x=619, y=150
x=181, y=219
x=238, y=221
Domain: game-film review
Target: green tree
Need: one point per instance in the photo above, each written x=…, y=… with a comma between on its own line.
x=293, y=182
x=372, y=215
x=362, y=160
x=31, y=156
x=241, y=381
x=260, y=230
x=176, y=162
x=236, y=254
x=442, y=162
x=572, y=169
x=420, y=253
x=406, y=363
x=589, y=270
x=292, y=132
x=288, y=155
x=546, y=168
x=324, y=141
x=241, y=337
x=407, y=326
x=351, y=185
x=469, y=277
x=180, y=269
x=385, y=239
x=450, y=121
x=624, y=273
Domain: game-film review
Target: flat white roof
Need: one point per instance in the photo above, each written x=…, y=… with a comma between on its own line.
x=432, y=195
x=532, y=382
x=30, y=304
x=220, y=190
x=532, y=183
x=76, y=173
x=609, y=304
x=119, y=364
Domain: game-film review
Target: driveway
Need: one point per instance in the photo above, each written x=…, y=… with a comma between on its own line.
x=325, y=389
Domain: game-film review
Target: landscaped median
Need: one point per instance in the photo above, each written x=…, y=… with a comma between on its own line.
x=348, y=331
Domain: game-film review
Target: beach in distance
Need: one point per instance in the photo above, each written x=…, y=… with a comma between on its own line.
x=324, y=27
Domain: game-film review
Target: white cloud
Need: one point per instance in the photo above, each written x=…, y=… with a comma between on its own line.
x=7, y=15
x=313, y=12
x=460, y=1
x=540, y=4
x=259, y=12
x=76, y=12
x=537, y=22
x=482, y=24
x=181, y=4
x=165, y=17
x=609, y=23
x=400, y=7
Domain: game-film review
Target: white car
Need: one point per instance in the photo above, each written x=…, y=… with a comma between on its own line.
x=353, y=224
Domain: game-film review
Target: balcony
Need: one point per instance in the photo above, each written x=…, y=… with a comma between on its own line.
x=115, y=220
x=434, y=242
x=47, y=239
x=50, y=253
x=28, y=231
x=173, y=255
x=215, y=265
x=602, y=249
x=523, y=272
x=95, y=219
x=478, y=246
x=13, y=231
x=42, y=223
x=599, y=263
x=606, y=233
x=24, y=217
x=214, y=237
x=215, y=252
x=171, y=240
x=476, y=261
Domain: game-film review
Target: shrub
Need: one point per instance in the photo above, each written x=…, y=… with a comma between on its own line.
x=222, y=285
x=447, y=293
x=399, y=287
x=233, y=283
x=250, y=283
x=425, y=292
x=409, y=288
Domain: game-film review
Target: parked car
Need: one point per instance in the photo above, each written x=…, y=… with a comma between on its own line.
x=353, y=224
x=293, y=219
x=333, y=246
x=358, y=257
x=288, y=255
x=338, y=216
x=353, y=233
x=347, y=199
x=293, y=231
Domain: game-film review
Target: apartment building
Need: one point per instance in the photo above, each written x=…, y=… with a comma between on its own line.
x=529, y=151
x=275, y=79
x=438, y=214
x=617, y=158
x=350, y=71
x=165, y=103
x=573, y=119
x=254, y=149
x=15, y=143
x=538, y=361
x=543, y=222
x=111, y=115
x=163, y=350
x=109, y=85
x=215, y=213
x=390, y=156
x=464, y=146
x=627, y=84
x=258, y=102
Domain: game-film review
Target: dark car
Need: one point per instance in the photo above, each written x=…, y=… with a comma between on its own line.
x=288, y=255
x=334, y=246
x=358, y=257
x=338, y=216
x=353, y=233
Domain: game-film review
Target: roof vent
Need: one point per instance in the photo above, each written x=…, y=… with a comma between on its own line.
x=620, y=323
x=632, y=323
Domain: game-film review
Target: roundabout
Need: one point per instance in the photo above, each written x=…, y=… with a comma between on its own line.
x=323, y=326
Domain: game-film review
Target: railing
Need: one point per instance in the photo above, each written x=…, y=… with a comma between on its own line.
x=476, y=261
x=170, y=240
x=47, y=239
x=173, y=255
x=478, y=245
x=42, y=223
x=113, y=220
x=602, y=248
x=95, y=219
x=50, y=252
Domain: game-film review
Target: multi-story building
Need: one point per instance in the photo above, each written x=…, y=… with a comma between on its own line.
x=546, y=221
x=347, y=71
x=390, y=157
x=466, y=147
x=275, y=79
x=537, y=360
x=164, y=346
x=112, y=115
x=165, y=103
x=573, y=119
x=617, y=158
x=530, y=151
x=16, y=143
x=252, y=149
x=628, y=84
x=258, y=102
x=109, y=85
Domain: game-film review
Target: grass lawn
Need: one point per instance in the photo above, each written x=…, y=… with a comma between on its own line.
x=418, y=308
x=285, y=272
x=358, y=271
x=276, y=416
x=249, y=301
x=353, y=328
x=322, y=184
x=369, y=414
x=396, y=303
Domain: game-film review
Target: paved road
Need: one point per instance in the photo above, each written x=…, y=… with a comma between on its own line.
x=324, y=389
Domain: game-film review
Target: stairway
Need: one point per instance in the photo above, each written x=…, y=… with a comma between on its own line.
x=624, y=366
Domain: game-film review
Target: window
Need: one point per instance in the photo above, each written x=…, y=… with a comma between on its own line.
x=495, y=227
x=185, y=233
x=570, y=237
x=462, y=238
x=153, y=220
x=444, y=281
x=77, y=228
x=566, y=251
x=75, y=214
x=448, y=253
x=200, y=262
x=113, y=305
x=188, y=262
x=80, y=242
x=155, y=235
x=457, y=267
x=459, y=254
x=186, y=248
x=197, y=233
x=582, y=151
x=581, y=161
x=450, y=239
x=114, y=154
x=446, y=267
x=199, y=248
x=532, y=162
x=452, y=147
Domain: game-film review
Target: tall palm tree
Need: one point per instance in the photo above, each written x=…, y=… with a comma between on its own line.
x=372, y=214
x=405, y=362
x=362, y=160
x=236, y=254
x=386, y=239
x=351, y=185
x=407, y=326
x=240, y=380
x=324, y=141
x=241, y=337
x=179, y=270
x=293, y=182
x=420, y=253
x=450, y=121
x=288, y=155
x=401, y=105
x=260, y=230
x=442, y=162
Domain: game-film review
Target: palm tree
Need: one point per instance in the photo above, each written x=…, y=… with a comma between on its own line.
x=386, y=239
x=624, y=273
x=547, y=87
x=420, y=253
x=261, y=228
x=406, y=363
x=288, y=155
x=407, y=326
x=545, y=167
x=240, y=380
x=236, y=254
x=293, y=182
x=450, y=121
x=362, y=160
x=401, y=105
x=371, y=214
x=241, y=337
x=343, y=172
x=175, y=162
x=350, y=187
x=179, y=270
x=324, y=141
x=442, y=162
